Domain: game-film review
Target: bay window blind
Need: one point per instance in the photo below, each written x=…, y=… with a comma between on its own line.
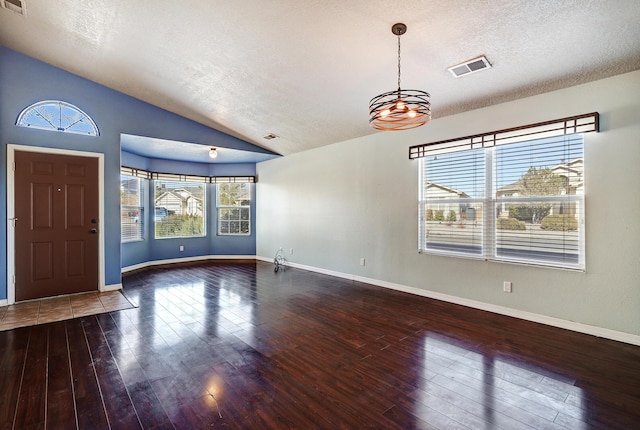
x=131, y=208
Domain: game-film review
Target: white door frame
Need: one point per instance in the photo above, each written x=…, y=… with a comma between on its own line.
x=11, y=234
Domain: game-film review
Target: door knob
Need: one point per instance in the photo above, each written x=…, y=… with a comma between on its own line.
x=93, y=231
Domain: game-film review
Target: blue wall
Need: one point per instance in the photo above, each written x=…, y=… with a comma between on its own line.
x=24, y=80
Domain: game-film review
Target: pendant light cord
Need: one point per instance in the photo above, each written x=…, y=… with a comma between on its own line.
x=398, y=63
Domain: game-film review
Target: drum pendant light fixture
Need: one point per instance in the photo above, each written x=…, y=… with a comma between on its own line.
x=400, y=109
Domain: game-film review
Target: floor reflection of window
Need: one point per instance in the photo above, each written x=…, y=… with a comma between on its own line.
x=464, y=385
x=236, y=311
x=183, y=303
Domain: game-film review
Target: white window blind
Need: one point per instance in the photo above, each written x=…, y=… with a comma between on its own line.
x=539, y=202
x=131, y=208
x=452, y=202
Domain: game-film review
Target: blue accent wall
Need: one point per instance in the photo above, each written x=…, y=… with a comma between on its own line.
x=24, y=80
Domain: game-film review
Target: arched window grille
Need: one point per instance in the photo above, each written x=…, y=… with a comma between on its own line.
x=56, y=115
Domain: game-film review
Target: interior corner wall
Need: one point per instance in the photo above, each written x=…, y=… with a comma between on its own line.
x=358, y=199
x=24, y=81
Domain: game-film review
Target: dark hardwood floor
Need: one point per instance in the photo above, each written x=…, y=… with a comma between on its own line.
x=235, y=345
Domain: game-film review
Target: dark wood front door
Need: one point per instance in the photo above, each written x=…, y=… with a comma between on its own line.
x=56, y=234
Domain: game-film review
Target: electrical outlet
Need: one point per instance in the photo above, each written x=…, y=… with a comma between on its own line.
x=362, y=261
x=506, y=286
x=291, y=251
x=181, y=248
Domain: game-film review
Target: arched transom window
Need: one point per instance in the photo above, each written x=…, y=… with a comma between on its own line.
x=56, y=115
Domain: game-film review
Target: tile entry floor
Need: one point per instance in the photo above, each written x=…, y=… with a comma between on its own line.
x=61, y=308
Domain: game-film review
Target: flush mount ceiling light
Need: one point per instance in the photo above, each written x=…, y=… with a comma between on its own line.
x=400, y=109
x=213, y=153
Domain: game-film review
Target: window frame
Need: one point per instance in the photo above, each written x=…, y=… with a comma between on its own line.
x=71, y=114
x=492, y=235
x=127, y=208
x=179, y=185
x=528, y=248
x=220, y=208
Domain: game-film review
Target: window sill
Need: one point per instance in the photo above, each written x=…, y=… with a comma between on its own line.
x=179, y=237
x=499, y=261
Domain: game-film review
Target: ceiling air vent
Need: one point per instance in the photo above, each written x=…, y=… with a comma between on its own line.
x=471, y=66
x=17, y=6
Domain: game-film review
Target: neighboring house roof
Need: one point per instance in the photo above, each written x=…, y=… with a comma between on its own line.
x=181, y=194
x=458, y=193
x=510, y=188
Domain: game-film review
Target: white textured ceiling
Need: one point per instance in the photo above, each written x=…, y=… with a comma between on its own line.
x=306, y=70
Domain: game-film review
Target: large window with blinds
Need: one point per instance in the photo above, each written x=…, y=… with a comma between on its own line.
x=131, y=208
x=520, y=199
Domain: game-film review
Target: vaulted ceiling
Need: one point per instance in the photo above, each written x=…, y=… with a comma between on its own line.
x=306, y=70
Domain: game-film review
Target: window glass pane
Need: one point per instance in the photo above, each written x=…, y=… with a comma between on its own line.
x=179, y=209
x=540, y=201
x=56, y=115
x=454, y=227
x=234, y=208
x=452, y=212
x=455, y=175
x=556, y=238
x=131, y=208
x=543, y=167
x=234, y=194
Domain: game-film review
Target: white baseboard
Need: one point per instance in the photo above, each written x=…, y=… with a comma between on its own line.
x=502, y=310
x=112, y=287
x=4, y=302
x=185, y=260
